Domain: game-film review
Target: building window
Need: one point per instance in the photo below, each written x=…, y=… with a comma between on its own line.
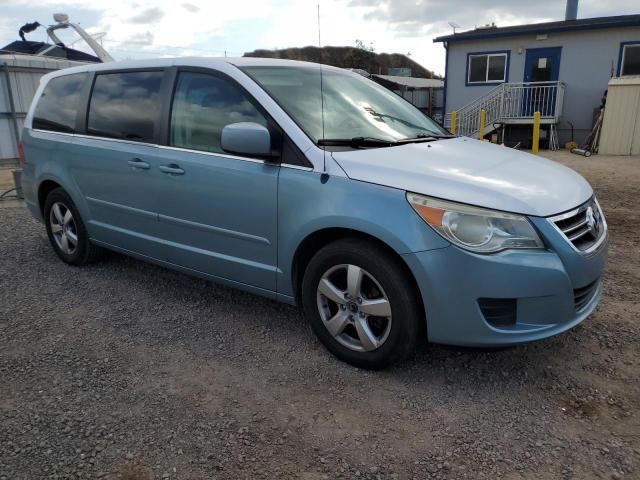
x=629, y=59
x=487, y=67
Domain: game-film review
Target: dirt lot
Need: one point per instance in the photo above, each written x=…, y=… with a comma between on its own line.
x=126, y=369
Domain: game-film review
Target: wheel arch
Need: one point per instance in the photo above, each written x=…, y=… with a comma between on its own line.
x=313, y=242
x=46, y=187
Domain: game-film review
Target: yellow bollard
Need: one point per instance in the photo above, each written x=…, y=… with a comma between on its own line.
x=482, y=117
x=454, y=118
x=535, y=144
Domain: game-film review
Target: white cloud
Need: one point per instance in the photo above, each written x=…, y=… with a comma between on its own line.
x=342, y=25
x=150, y=15
x=176, y=29
x=146, y=28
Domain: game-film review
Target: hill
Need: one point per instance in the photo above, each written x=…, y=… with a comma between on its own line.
x=348, y=57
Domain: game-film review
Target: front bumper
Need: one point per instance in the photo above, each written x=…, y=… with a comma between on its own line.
x=543, y=283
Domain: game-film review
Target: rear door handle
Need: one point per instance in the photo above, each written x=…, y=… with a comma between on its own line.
x=172, y=169
x=138, y=164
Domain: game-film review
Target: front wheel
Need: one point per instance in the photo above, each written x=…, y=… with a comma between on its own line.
x=361, y=303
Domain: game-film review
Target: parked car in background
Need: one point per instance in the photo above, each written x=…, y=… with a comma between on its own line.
x=317, y=187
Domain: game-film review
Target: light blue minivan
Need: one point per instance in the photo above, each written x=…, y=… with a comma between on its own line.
x=314, y=186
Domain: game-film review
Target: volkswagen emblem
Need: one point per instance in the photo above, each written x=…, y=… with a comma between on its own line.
x=592, y=222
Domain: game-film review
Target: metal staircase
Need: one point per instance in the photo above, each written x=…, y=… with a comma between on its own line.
x=511, y=103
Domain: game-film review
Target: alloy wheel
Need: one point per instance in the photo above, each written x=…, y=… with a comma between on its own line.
x=63, y=228
x=354, y=307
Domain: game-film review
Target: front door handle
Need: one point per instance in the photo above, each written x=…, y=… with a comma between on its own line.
x=138, y=164
x=172, y=169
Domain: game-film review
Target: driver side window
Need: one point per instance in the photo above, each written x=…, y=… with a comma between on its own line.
x=203, y=105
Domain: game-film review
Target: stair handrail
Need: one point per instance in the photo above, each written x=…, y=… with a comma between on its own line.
x=479, y=99
x=468, y=116
x=493, y=102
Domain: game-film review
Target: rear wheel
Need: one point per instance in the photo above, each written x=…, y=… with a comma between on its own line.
x=65, y=228
x=361, y=303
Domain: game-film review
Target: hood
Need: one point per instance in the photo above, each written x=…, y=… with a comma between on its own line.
x=473, y=172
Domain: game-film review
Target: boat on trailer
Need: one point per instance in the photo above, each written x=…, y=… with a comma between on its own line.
x=23, y=63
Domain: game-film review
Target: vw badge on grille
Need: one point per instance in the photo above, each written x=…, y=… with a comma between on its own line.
x=592, y=222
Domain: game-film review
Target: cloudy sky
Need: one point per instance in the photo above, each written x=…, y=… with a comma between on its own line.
x=152, y=28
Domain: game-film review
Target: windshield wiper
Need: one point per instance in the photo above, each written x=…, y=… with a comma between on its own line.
x=372, y=142
x=422, y=137
x=356, y=142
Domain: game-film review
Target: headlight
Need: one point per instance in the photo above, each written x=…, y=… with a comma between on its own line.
x=473, y=228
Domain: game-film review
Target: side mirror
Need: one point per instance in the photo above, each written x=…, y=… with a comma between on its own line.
x=247, y=138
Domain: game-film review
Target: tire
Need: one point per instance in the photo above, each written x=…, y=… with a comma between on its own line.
x=361, y=333
x=57, y=208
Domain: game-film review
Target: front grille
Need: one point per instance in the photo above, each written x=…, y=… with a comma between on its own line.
x=501, y=312
x=584, y=227
x=582, y=296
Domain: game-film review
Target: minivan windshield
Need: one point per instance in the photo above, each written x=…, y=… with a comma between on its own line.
x=354, y=107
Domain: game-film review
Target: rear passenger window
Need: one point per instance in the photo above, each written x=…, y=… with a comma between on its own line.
x=58, y=105
x=125, y=105
x=202, y=106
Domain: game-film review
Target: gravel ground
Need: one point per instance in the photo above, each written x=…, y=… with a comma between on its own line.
x=127, y=370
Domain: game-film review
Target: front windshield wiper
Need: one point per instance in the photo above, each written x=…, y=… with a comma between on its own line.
x=422, y=137
x=372, y=142
x=356, y=142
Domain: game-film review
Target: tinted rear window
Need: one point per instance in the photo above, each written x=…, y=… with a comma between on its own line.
x=58, y=105
x=125, y=105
